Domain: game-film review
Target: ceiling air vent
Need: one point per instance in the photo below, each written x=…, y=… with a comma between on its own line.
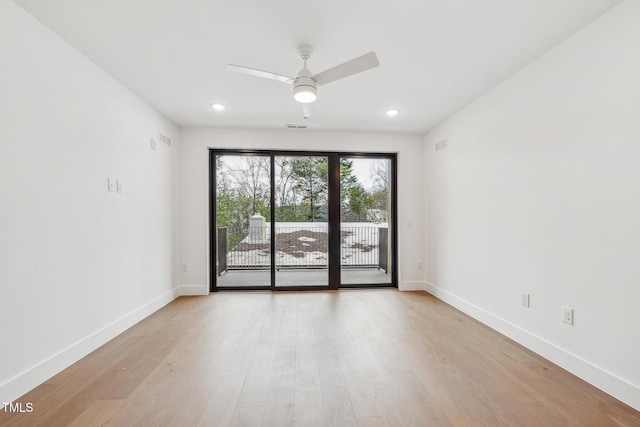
x=292, y=126
x=164, y=138
x=442, y=144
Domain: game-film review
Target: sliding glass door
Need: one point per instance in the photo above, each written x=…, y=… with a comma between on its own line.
x=243, y=220
x=366, y=220
x=297, y=220
x=301, y=221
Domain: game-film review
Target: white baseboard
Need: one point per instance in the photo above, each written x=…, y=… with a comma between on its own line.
x=194, y=290
x=606, y=381
x=411, y=286
x=17, y=386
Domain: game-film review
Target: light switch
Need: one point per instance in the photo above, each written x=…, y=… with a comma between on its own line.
x=120, y=186
x=111, y=184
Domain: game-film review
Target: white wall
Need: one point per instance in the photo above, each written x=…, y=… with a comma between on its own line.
x=194, y=188
x=78, y=264
x=539, y=192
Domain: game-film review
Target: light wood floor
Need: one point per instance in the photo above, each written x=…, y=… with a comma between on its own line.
x=366, y=358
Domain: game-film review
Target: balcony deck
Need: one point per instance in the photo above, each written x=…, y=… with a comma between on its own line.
x=301, y=277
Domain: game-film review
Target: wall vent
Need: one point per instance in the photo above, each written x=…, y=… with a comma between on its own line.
x=164, y=138
x=442, y=144
x=292, y=126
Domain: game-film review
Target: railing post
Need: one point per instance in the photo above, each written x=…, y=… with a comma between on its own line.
x=383, y=249
x=222, y=250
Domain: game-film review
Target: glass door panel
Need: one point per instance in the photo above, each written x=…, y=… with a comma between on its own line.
x=301, y=215
x=243, y=217
x=296, y=220
x=365, y=221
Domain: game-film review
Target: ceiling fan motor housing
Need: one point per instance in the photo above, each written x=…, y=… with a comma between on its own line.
x=305, y=89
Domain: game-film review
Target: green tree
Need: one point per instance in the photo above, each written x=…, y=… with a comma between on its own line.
x=225, y=198
x=310, y=183
x=348, y=181
x=358, y=199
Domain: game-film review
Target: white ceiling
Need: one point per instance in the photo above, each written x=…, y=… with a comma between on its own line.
x=436, y=55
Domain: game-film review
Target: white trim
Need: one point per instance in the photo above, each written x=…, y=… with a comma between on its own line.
x=416, y=285
x=36, y=375
x=606, y=381
x=193, y=290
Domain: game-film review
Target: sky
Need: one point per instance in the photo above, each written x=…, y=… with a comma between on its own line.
x=362, y=168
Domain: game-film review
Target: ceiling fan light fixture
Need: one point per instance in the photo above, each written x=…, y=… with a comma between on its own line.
x=305, y=86
x=305, y=93
x=218, y=107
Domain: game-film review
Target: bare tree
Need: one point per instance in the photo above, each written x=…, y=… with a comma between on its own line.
x=285, y=181
x=380, y=174
x=249, y=177
x=253, y=180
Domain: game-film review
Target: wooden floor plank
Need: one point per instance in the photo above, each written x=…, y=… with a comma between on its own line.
x=308, y=394
x=373, y=422
x=361, y=358
x=256, y=383
x=278, y=409
x=336, y=401
x=99, y=413
x=247, y=416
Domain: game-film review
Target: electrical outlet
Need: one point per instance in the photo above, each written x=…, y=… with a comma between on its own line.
x=420, y=266
x=185, y=268
x=567, y=315
x=525, y=300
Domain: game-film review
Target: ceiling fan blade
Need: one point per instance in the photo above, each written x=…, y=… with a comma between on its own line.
x=306, y=110
x=259, y=73
x=357, y=65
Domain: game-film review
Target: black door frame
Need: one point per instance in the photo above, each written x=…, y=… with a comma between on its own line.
x=333, y=218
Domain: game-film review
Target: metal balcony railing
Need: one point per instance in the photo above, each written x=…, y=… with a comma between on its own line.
x=300, y=247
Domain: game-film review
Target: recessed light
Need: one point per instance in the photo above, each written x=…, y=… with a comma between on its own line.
x=392, y=112
x=218, y=107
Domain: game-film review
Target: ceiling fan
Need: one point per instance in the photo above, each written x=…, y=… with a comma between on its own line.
x=305, y=86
